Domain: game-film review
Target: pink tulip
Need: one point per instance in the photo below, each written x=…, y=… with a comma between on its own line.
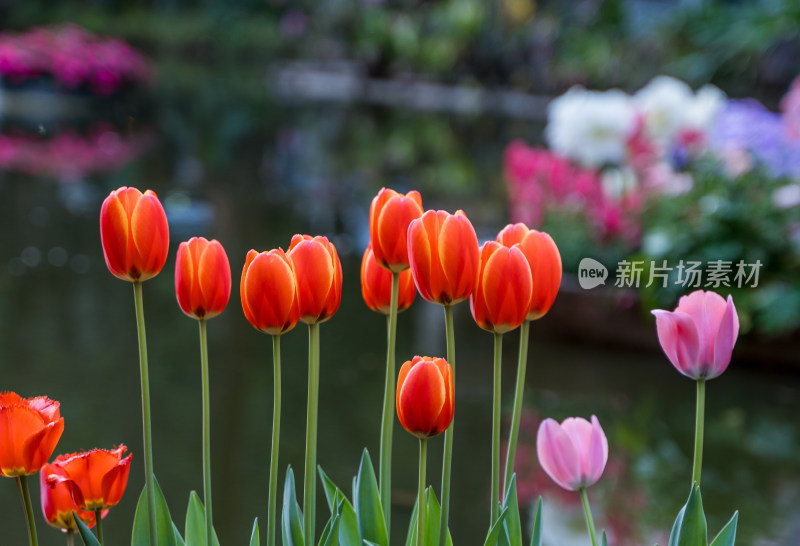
x=698, y=337
x=574, y=453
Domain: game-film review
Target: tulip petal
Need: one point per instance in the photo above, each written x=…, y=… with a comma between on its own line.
x=725, y=339
x=679, y=339
x=114, y=235
x=39, y=447
x=597, y=453
x=150, y=235
x=114, y=482
x=557, y=454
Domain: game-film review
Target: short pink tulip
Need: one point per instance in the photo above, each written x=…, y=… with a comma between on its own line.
x=574, y=453
x=699, y=335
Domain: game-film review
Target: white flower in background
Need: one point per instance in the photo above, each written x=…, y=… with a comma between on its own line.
x=704, y=107
x=591, y=127
x=786, y=197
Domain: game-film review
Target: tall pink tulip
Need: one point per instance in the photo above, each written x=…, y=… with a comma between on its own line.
x=574, y=453
x=699, y=335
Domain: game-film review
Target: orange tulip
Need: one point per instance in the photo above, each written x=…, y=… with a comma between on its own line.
x=57, y=504
x=134, y=234
x=202, y=278
x=444, y=256
x=29, y=431
x=318, y=274
x=501, y=301
x=269, y=292
x=425, y=398
x=389, y=216
x=376, y=285
x=96, y=479
x=544, y=260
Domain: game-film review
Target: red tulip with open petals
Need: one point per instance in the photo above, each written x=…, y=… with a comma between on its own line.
x=58, y=505
x=30, y=429
x=96, y=479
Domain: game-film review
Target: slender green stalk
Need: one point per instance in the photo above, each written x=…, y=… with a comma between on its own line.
x=498, y=367
x=70, y=537
x=421, y=504
x=587, y=512
x=146, y=427
x=276, y=438
x=310, y=482
x=206, y=430
x=98, y=525
x=387, y=423
x=698, y=431
x=448, y=435
x=25, y=496
x=513, y=434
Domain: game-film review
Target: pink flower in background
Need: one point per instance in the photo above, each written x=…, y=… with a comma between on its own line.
x=790, y=106
x=574, y=453
x=699, y=335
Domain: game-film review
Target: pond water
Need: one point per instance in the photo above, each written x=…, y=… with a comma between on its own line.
x=251, y=172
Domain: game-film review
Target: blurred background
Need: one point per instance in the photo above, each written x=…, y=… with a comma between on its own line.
x=257, y=119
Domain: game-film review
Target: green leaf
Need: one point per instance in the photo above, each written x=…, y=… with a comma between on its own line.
x=196, y=522
x=329, y=487
x=432, y=519
x=512, y=530
x=603, y=540
x=88, y=538
x=330, y=532
x=727, y=536
x=254, y=539
x=165, y=534
x=494, y=533
x=690, y=525
x=348, y=521
x=367, y=502
x=536, y=532
x=177, y=534
x=292, y=520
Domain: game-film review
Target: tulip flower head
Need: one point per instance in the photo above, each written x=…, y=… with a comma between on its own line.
x=389, y=216
x=96, y=479
x=502, y=298
x=425, y=397
x=30, y=429
x=134, y=234
x=544, y=261
x=699, y=335
x=376, y=285
x=574, y=453
x=202, y=278
x=444, y=256
x=318, y=274
x=269, y=292
x=58, y=505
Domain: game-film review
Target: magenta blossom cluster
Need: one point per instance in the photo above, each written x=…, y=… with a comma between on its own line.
x=73, y=57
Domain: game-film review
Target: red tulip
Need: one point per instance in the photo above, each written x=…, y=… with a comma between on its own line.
x=545, y=263
x=574, y=453
x=29, y=431
x=318, y=274
x=58, y=505
x=134, y=234
x=269, y=292
x=699, y=336
x=389, y=216
x=202, y=278
x=376, y=285
x=425, y=398
x=96, y=479
x=502, y=298
x=444, y=256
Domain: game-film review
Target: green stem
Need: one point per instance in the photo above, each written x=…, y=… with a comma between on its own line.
x=310, y=483
x=387, y=423
x=698, y=431
x=448, y=435
x=421, y=505
x=513, y=434
x=70, y=537
x=98, y=526
x=206, y=430
x=25, y=496
x=587, y=512
x=276, y=438
x=495, y=495
x=146, y=427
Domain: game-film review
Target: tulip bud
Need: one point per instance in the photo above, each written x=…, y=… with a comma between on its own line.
x=502, y=298
x=134, y=234
x=202, y=278
x=699, y=336
x=269, y=292
x=574, y=453
x=444, y=256
x=425, y=397
x=318, y=274
x=30, y=429
x=376, y=285
x=389, y=216
x=544, y=261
